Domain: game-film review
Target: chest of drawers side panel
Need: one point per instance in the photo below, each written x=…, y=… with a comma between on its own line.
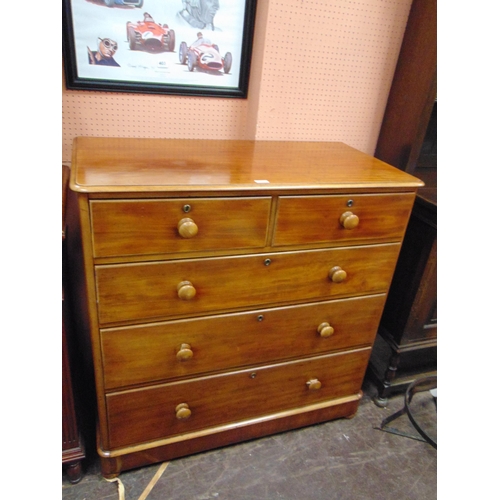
x=84, y=311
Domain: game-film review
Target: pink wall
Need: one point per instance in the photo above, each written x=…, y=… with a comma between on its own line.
x=321, y=71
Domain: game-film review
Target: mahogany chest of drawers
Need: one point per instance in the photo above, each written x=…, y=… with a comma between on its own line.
x=230, y=289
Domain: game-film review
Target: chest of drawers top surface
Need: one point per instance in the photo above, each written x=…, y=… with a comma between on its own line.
x=131, y=165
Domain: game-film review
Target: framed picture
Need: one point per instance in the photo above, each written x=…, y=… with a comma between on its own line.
x=182, y=47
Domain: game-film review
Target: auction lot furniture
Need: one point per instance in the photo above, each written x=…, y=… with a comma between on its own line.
x=230, y=289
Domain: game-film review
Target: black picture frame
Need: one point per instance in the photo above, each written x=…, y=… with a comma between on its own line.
x=111, y=45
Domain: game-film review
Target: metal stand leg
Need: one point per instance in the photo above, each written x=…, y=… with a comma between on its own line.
x=417, y=386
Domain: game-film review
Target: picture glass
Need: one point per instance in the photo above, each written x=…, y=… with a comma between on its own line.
x=176, y=44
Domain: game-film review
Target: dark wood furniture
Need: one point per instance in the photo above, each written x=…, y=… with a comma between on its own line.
x=72, y=443
x=234, y=288
x=412, y=98
x=406, y=345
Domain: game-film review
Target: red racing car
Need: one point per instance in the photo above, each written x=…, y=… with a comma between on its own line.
x=150, y=36
x=205, y=56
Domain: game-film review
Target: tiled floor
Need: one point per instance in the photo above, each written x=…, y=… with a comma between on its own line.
x=339, y=460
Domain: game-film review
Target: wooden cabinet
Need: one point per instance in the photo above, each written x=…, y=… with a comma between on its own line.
x=232, y=289
x=406, y=345
x=73, y=451
x=405, y=348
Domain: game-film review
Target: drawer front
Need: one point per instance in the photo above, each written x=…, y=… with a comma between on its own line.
x=316, y=219
x=146, y=227
x=150, y=291
x=147, y=414
x=184, y=348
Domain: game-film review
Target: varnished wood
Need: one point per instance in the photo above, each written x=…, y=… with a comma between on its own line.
x=186, y=290
x=73, y=448
x=182, y=411
x=138, y=292
x=326, y=330
x=148, y=353
x=183, y=354
x=406, y=347
x=147, y=414
x=413, y=91
x=136, y=227
x=113, y=462
x=348, y=220
x=313, y=384
x=105, y=165
x=313, y=219
x=228, y=326
x=337, y=274
x=187, y=228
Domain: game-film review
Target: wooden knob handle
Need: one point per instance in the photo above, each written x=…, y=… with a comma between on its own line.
x=325, y=330
x=314, y=384
x=337, y=274
x=184, y=353
x=187, y=228
x=349, y=220
x=182, y=411
x=186, y=290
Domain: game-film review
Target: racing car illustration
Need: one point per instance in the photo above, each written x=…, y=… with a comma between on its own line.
x=136, y=3
x=149, y=35
x=204, y=55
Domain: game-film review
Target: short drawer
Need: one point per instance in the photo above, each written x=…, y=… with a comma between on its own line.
x=146, y=227
x=316, y=219
x=184, y=348
x=152, y=413
x=193, y=287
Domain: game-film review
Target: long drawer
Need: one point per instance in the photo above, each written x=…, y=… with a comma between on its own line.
x=184, y=348
x=190, y=287
x=142, y=415
x=315, y=219
x=145, y=227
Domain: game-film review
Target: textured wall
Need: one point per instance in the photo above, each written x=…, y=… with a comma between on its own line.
x=321, y=71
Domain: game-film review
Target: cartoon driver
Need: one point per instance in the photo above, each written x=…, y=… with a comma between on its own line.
x=106, y=49
x=200, y=13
